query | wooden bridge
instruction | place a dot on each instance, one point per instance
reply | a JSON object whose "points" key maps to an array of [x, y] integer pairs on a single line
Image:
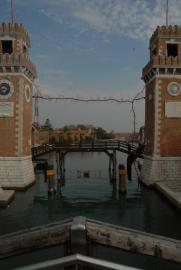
{"points": [[109, 147]]}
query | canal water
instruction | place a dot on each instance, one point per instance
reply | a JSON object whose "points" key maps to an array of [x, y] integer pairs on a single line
{"points": [[96, 198]]}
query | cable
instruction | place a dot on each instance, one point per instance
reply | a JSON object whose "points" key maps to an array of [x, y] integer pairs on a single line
{"points": [[38, 95]]}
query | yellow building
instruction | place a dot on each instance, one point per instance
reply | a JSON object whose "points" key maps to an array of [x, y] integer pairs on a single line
{"points": [[68, 134]]}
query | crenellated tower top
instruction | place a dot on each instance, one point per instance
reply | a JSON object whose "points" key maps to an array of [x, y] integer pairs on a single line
{"points": [[14, 50], [165, 51], [169, 31], [15, 30]]}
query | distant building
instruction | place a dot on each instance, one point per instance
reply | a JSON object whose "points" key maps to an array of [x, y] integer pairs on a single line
{"points": [[142, 135], [45, 136], [124, 136], [69, 134], [35, 134]]}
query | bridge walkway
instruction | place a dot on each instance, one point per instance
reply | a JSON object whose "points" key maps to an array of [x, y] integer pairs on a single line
{"points": [[108, 147], [97, 146]]}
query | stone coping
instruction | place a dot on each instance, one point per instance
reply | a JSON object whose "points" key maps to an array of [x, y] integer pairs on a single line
{"points": [[171, 190], [6, 196], [157, 158], [15, 158]]}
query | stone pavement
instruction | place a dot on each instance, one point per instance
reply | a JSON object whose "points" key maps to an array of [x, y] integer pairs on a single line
{"points": [[172, 190], [6, 196]]}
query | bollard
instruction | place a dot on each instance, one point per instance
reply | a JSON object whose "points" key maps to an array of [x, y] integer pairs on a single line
{"points": [[122, 178], [51, 179], [86, 174], [45, 170], [78, 236]]}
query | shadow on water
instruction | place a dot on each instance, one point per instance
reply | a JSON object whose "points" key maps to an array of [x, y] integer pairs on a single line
{"points": [[97, 198]]}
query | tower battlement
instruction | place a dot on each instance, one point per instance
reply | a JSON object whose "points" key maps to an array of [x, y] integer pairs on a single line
{"points": [[17, 63], [14, 30], [171, 30], [165, 52], [14, 50]]}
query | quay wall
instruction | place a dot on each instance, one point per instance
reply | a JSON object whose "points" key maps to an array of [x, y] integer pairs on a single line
{"points": [[156, 169], [16, 172]]}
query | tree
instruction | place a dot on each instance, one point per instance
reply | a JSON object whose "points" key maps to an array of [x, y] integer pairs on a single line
{"points": [[65, 128], [102, 134], [81, 126]]}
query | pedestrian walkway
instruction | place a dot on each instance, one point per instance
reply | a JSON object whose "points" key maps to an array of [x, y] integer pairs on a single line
{"points": [[172, 190]]}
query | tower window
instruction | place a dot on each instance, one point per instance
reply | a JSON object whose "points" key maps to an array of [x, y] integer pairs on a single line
{"points": [[7, 46], [24, 49], [172, 50], [154, 52]]}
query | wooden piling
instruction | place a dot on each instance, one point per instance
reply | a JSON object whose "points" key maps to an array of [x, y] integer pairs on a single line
{"points": [[122, 178]]}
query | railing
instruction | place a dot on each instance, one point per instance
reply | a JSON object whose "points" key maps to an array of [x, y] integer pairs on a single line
{"points": [[97, 146], [76, 261], [42, 149], [78, 234]]}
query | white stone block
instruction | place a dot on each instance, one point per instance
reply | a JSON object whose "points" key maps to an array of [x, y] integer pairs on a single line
{"points": [[156, 169], [16, 172]]}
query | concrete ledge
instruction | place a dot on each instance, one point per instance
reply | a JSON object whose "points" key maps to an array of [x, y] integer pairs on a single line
{"points": [[6, 196], [16, 173], [171, 190], [160, 169], [145, 183], [19, 188]]}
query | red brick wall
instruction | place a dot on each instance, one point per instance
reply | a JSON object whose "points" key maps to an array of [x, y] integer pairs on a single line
{"points": [[149, 118], [170, 139], [27, 122], [7, 125]]}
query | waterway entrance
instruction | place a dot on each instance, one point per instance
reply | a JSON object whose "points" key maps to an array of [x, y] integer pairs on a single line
{"points": [[94, 197]]}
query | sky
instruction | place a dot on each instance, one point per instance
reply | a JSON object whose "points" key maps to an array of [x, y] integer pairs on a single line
{"points": [[91, 48]]}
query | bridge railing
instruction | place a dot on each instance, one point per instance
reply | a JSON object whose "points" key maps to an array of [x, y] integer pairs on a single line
{"points": [[118, 145], [78, 234], [76, 262], [41, 149]]}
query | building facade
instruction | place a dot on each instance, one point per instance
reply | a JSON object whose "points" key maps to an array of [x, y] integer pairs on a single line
{"points": [[162, 77], [69, 134], [35, 135], [16, 77]]}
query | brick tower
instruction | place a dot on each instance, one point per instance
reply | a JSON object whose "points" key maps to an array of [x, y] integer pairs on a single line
{"points": [[16, 77], [162, 76]]}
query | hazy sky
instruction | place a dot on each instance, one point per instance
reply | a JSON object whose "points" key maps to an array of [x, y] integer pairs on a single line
{"points": [[91, 48]]}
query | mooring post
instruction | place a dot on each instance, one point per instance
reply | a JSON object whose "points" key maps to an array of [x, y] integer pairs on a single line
{"points": [[78, 239], [109, 163], [122, 178], [110, 167], [62, 168], [51, 179], [114, 165], [57, 165]]}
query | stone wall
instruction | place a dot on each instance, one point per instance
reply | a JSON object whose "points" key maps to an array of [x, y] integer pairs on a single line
{"points": [[156, 169], [16, 172]]}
